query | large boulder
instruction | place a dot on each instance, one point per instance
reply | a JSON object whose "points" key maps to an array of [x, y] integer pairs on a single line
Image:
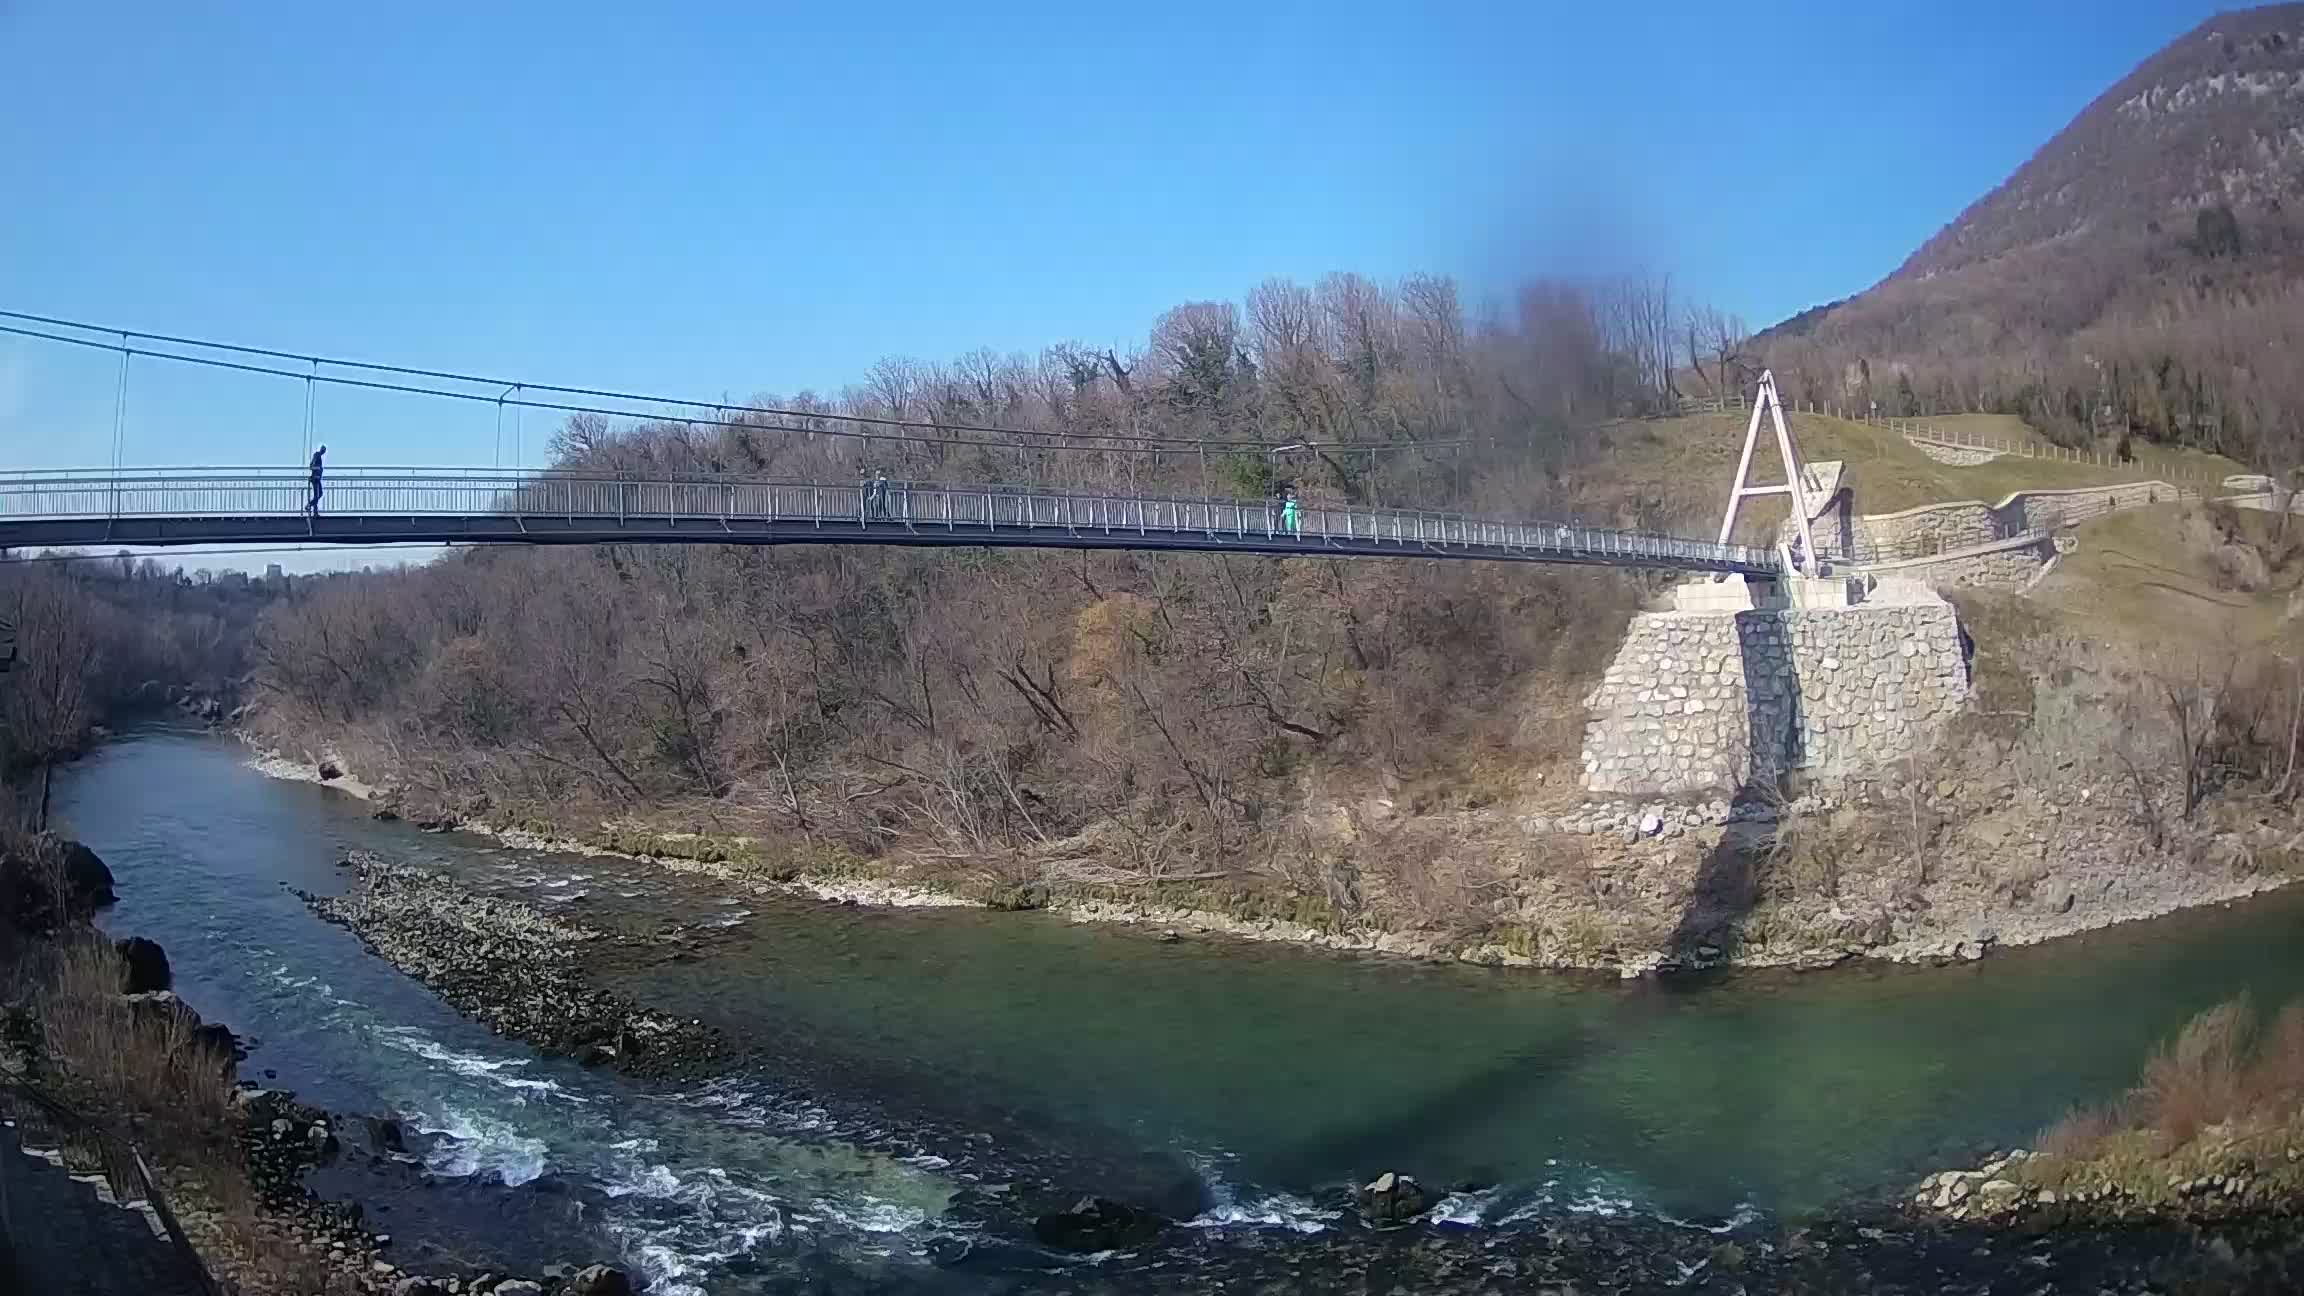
{"points": [[1096, 1224], [1391, 1199], [143, 966], [163, 1005], [87, 883], [599, 1280], [214, 1039], [46, 881], [385, 1135]]}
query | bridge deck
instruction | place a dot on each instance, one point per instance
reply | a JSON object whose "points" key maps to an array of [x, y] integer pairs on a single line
{"points": [[401, 506]]}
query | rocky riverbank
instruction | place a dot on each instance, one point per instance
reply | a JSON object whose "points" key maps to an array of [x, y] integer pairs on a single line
{"points": [[294, 1230], [1929, 871], [1939, 862], [1597, 1256], [236, 1183], [512, 967]]}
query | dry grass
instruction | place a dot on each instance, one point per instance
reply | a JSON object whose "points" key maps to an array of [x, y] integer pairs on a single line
{"points": [[2149, 578], [2222, 1069], [1688, 462], [2082, 1131], [2201, 1077], [136, 1063]]}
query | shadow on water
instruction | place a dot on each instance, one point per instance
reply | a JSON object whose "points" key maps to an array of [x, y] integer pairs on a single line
{"points": [[1387, 1140]]}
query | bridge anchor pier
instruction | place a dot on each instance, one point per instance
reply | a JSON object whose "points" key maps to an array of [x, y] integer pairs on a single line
{"points": [[1738, 683]]}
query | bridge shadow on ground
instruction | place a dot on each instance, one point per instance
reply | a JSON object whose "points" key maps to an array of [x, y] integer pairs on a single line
{"points": [[1729, 882]]}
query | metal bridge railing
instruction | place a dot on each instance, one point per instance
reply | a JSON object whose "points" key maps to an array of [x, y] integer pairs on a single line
{"points": [[608, 499]]}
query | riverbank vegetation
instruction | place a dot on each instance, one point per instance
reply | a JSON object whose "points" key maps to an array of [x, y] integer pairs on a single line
{"points": [[2213, 1127], [100, 1056], [1378, 750], [100, 641]]}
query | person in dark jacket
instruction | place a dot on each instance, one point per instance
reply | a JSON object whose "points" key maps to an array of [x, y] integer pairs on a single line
{"points": [[312, 506]]}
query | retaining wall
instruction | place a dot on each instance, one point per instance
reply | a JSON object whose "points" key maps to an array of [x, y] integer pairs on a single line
{"points": [[2003, 563], [1699, 702], [1918, 532], [1959, 456]]}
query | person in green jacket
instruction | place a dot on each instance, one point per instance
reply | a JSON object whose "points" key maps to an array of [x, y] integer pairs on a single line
{"points": [[1288, 519]]}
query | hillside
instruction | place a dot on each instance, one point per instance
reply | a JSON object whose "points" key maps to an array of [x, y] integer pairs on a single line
{"points": [[2119, 283], [1682, 467], [2217, 117]]}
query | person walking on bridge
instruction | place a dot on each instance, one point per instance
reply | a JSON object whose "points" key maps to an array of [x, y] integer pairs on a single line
{"points": [[1290, 521], [312, 505]]}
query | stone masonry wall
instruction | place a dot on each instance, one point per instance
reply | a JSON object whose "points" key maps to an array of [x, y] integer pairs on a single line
{"points": [[1931, 527], [1959, 456], [1700, 702], [2007, 565]]}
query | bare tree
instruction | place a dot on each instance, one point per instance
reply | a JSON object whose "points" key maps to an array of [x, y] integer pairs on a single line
{"points": [[1718, 350]]}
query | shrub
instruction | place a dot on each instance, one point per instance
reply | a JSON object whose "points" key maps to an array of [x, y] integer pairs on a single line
{"points": [[2198, 1079], [2220, 1069]]}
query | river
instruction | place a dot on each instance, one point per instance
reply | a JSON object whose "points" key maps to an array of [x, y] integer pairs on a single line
{"points": [[907, 1056]]}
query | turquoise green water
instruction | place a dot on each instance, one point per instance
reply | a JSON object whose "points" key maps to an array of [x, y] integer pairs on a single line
{"points": [[1782, 1091], [1270, 1075]]}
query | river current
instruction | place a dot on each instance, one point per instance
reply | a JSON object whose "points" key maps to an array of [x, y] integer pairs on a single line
{"points": [[913, 1062]]}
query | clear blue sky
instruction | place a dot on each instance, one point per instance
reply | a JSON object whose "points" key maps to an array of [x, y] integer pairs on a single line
{"points": [[743, 198]]}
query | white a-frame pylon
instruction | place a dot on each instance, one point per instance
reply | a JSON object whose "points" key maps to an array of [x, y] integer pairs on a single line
{"points": [[1794, 484]]}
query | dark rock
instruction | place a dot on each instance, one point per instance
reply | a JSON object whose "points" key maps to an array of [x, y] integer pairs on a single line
{"points": [[330, 770], [385, 1134], [86, 880], [143, 966], [50, 881], [162, 1004], [217, 1038], [418, 1287], [592, 1055], [1097, 1224], [1392, 1199], [599, 1280], [386, 815]]}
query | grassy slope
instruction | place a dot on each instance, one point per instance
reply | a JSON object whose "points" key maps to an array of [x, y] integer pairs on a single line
{"points": [[1687, 463], [2145, 577]]}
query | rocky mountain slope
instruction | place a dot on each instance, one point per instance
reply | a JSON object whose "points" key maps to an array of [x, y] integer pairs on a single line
{"points": [[2123, 281], [2217, 117]]}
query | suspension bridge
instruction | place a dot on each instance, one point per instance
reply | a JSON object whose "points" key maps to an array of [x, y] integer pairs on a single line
{"points": [[398, 506], [160, 507]]}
